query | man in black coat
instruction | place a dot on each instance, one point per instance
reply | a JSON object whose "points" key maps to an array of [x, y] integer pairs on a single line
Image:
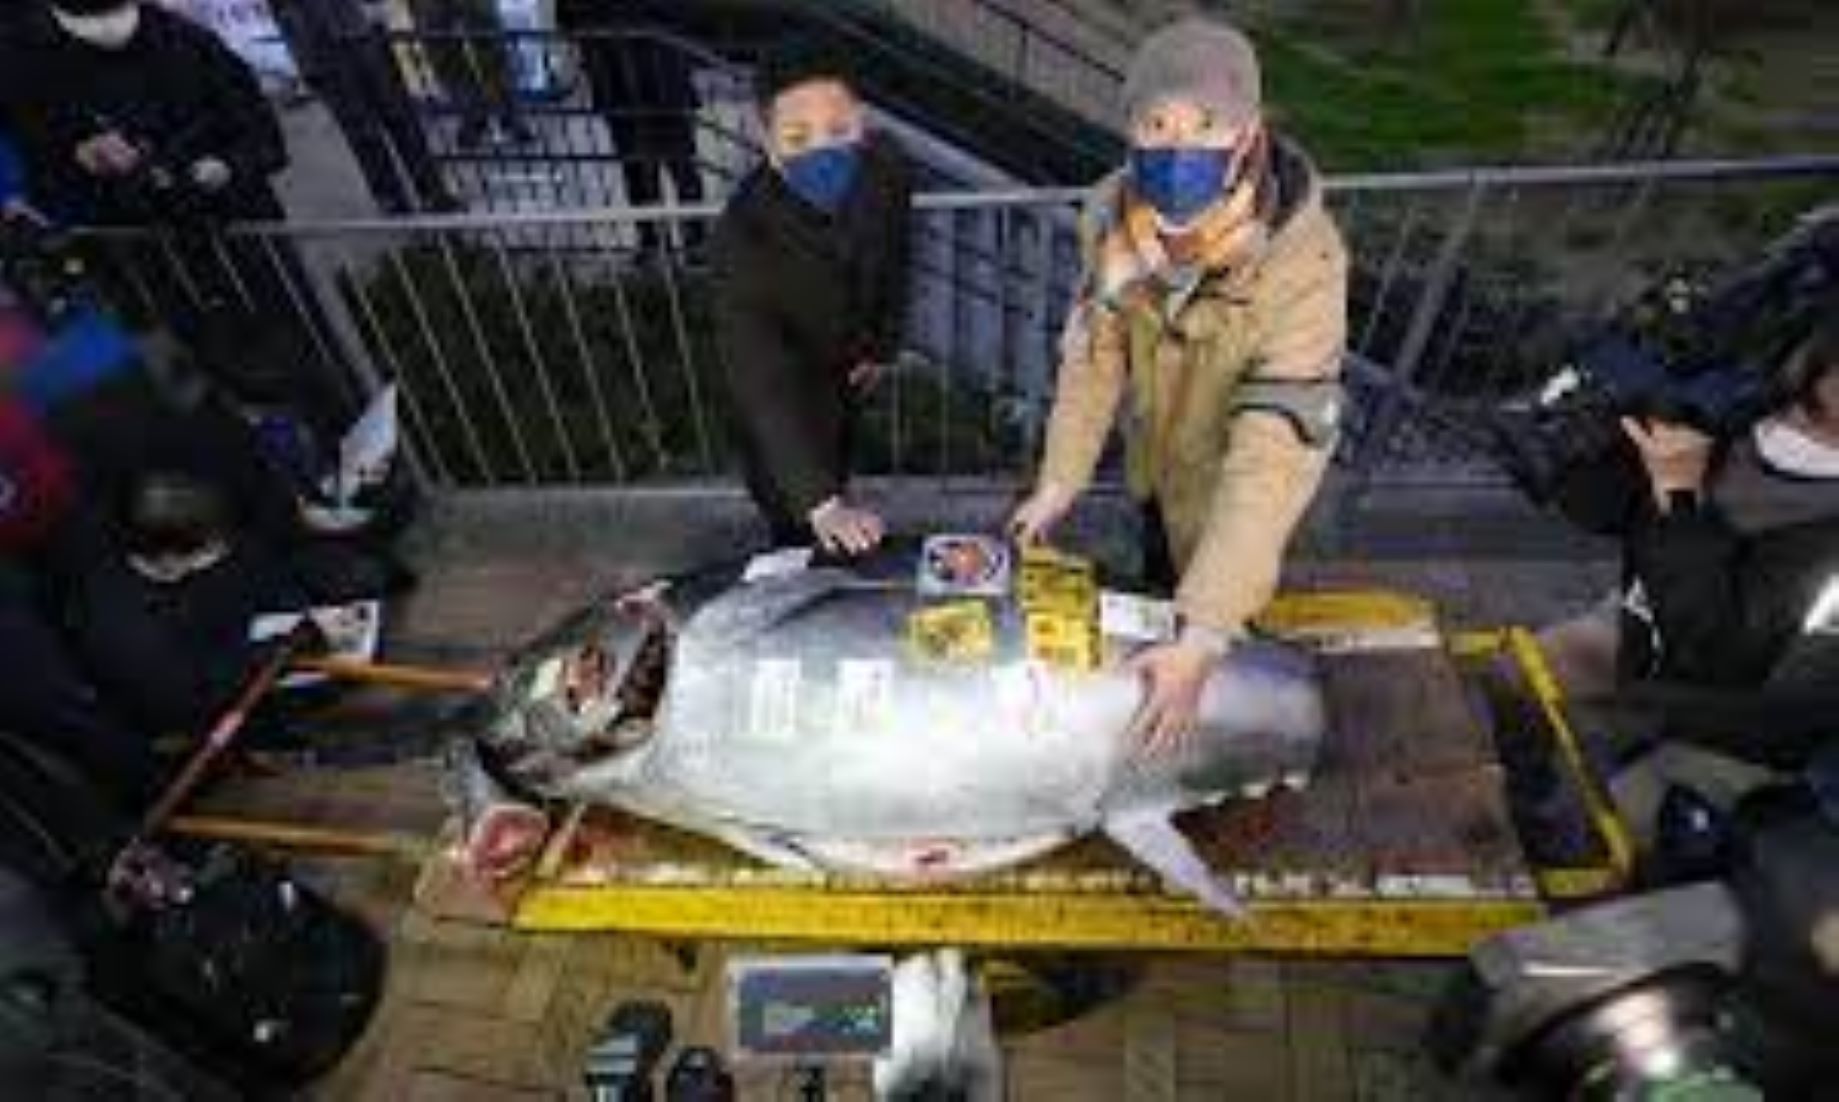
{"points": [[644, 88], [132, 114], [1707, 668], [811, 276], [1716, 597], [1725, 637]]}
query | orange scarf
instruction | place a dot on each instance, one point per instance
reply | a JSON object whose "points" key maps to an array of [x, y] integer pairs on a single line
{"points": [[1137, 259]]}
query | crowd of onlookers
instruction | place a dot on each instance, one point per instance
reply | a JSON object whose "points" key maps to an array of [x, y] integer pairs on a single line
{"points": [[158, 498], [127, 68], [158, 494]]}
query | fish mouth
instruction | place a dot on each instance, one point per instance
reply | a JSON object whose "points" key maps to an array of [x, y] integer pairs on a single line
{"points": [[584, 694]]}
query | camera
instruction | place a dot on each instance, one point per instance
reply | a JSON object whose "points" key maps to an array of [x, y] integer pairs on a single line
{"points": [[1717, 983], [1708, 354]]}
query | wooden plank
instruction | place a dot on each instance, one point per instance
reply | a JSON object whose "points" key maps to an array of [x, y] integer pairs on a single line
{"points": [[1400, 712], [1150, 1048], [1225, 1065], [1319, 1064], [1448, 834]]}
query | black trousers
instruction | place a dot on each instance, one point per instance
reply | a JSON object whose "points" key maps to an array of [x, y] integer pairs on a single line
{"points": [[245, 307], [473, 66], [363, 89], [651, 148], [47, 699]]}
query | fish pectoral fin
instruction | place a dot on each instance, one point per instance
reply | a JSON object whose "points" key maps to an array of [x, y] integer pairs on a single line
{"points": [[1152, 839]]}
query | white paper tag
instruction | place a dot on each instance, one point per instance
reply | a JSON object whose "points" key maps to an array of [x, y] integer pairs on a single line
{"points": [[772, 700], [547, 680], [1823, 618], [778, 564], [1128, 616], [1018, 696], [353, 631], [864, 696]]}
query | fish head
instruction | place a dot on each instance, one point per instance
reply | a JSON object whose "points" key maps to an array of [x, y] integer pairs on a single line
{"points": [[583, 696]]}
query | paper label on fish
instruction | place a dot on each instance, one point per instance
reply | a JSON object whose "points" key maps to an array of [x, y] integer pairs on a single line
{"points": [[772, 700], [1017, 687], [1057, 583], [864, 696], [778, 564], [963, 566], [1061, 641], [1142, 619], [957, 631]]}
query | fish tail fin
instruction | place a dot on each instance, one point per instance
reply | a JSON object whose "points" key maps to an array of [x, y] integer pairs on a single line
{"points": [[1152, 839]]}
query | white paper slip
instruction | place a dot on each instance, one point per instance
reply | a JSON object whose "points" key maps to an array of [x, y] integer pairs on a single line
{"points": [[367, 449], [864, 696], [353, 631], [778, 564], [772, 700], [547, 680], [1017, 688], [1823, 618], [1129, 616]]}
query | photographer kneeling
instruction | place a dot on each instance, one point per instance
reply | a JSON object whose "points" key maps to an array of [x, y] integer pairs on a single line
{"points": [[1731, 585]]}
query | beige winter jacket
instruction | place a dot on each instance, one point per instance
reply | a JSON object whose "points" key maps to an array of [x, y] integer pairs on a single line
{"points": [[1232, 487]]}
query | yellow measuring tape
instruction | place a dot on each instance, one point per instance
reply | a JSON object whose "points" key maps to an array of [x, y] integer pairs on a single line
{"points": [[1371, 927]]}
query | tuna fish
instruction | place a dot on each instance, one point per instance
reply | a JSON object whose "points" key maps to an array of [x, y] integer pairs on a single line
{"points": [[791, 717]]}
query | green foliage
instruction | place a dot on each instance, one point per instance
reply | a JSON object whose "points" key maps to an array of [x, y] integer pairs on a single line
{"points": [[547, 366], [524, 368], [1595, 15], [1469, 80]]}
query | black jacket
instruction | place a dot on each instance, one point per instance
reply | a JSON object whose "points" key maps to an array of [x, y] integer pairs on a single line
{"points": [[800, 299], [175, 89], [1719, 607]]}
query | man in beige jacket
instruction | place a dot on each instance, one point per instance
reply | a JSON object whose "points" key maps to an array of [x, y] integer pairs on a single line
{"points": [[1215, 298]]}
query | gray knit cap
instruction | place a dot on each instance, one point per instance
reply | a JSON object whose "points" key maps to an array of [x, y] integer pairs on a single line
{"points": [[1204, 61]]}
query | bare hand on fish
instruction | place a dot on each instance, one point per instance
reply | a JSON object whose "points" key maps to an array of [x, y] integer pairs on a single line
{"points": [[845, 529], [1174, 676], [1034, 520]]}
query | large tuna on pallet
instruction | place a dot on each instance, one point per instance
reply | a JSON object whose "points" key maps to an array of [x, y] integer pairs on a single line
{"points": [[814, 719]]}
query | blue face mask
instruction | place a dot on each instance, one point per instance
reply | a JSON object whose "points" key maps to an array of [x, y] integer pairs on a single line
{"points": [[1181, 182], [824, 176]]}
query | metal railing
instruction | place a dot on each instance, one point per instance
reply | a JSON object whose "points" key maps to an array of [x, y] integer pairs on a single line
{"points": [[556, 134], [517, 120], [546, 348]]}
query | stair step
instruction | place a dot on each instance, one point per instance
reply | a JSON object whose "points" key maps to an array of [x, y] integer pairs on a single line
{"points": [[1042, 44]]}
